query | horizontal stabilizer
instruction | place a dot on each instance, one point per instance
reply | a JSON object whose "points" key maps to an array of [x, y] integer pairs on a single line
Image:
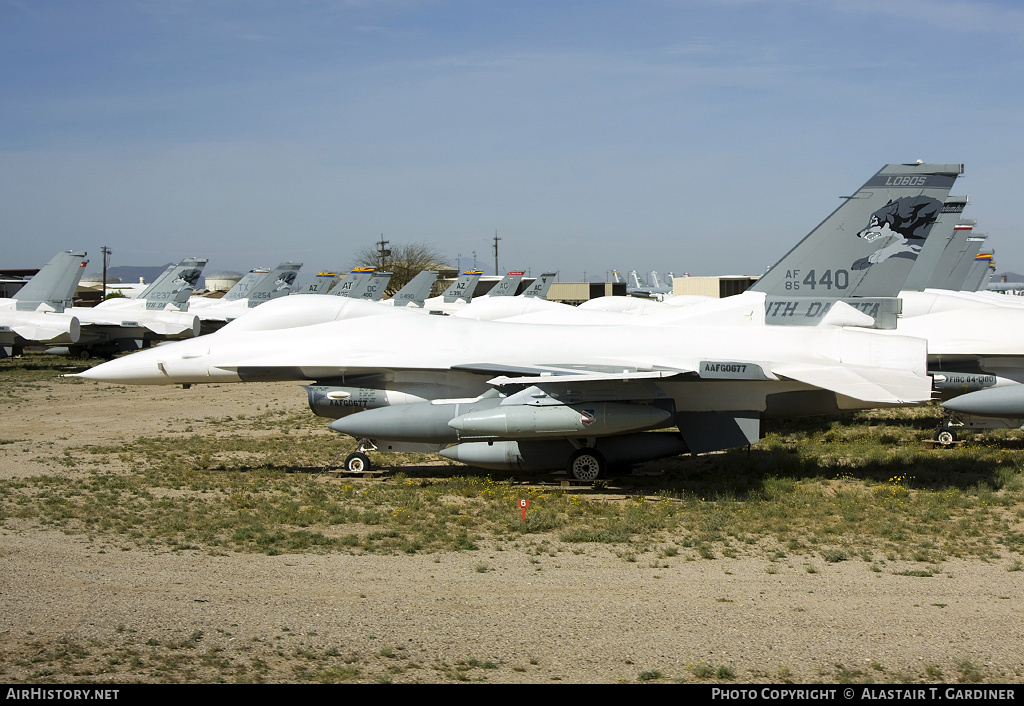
{"points": [[46, 327], [886, 385]]}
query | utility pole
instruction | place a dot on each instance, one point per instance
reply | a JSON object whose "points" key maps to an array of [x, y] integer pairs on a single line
{"points": [[106, 251], [382, 250], [496, 239]]}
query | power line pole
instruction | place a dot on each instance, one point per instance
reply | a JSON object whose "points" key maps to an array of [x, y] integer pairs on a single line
{"points": [[106, 251], [496, 239], [382, 250]]}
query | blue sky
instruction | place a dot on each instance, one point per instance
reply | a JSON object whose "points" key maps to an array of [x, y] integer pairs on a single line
{"points": [[689, 136]]}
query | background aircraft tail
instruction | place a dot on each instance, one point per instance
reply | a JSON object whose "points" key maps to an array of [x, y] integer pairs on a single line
{"points": [[463, 287], [956, 250], [372, 288], [174, 285], [416, 291], [352, 281], [541, 285], [53, 287], [507, 285], [946, 232], [277, 283], [244, 286], [320, 284]]}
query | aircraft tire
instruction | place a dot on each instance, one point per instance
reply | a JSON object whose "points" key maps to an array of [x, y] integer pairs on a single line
{"points": [[587, 464], [945, 436], [358, 462]]}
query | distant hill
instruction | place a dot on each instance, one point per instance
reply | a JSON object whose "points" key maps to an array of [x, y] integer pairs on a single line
{"points": [[1010, 277], [128, 274]]}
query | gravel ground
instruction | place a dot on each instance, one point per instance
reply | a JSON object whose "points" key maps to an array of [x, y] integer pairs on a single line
{"points": [[78, 609]]}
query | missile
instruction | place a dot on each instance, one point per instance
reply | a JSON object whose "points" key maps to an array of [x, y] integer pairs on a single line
{"points": [[592, 419]]}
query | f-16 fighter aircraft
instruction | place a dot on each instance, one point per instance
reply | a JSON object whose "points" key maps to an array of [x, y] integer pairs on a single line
{"points": [[520, 395], [35, 315], [159, 313]]}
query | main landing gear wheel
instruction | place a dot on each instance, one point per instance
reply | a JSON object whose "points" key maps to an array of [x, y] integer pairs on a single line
{"points": [[358, 462], [945, 436], [587, 464]]}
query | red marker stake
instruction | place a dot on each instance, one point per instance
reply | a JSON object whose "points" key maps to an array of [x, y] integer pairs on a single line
{"points": [[523, 504]]}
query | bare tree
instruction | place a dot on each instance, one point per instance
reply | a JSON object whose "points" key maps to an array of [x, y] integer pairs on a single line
{"points": [[404, 261]]}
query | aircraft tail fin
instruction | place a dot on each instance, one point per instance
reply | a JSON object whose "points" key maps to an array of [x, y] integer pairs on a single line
{"points": [[320, 284], [372, 288], [960, 275], [988, 263], [415, 292], [507, 285], [277, 283], [53, 287], [943, 235], [881, 229], [174, 285], [463, 287], [956, 250], [244, 286], [976, 278], [352, 281], [541, 285]]}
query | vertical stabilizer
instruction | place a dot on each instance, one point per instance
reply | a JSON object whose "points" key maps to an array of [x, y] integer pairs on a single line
{"points": [[541, 285], [53, 287], [507, 285], [463, 287], [245, 285], [372, 288], [978, 276], [944, 234], [881, 229], [174, 285], [277, 283], [320, 284], [958, 278], [416, 291], [353, 281]]}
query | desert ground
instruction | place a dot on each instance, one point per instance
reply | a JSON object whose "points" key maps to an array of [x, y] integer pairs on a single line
{"points": [[83, 604]]}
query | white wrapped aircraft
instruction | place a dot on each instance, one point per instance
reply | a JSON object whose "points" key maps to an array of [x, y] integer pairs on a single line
{"points": [[504, 394]]}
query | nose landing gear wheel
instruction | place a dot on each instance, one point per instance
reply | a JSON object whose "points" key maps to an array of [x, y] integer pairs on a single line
{"points": [[358, 462], [587, 464], [945, 437]]}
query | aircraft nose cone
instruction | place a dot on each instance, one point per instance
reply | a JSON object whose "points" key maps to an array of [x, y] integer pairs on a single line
{"points": [[136, 369]]}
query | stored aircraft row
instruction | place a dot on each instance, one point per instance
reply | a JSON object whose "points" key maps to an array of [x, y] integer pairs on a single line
{"points": [[512, 383], [42, 313]]}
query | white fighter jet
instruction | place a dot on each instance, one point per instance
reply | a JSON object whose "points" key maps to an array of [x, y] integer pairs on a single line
{"points": [[583, 396], [160, 313], [39, 313]]}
